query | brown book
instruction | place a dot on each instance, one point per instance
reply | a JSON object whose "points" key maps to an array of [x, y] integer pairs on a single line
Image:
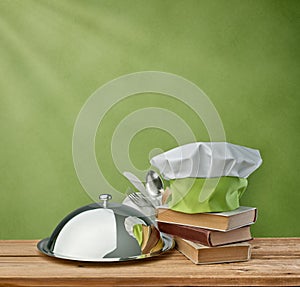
{"points": [[205, 236], [200, 254], [222, 221]]}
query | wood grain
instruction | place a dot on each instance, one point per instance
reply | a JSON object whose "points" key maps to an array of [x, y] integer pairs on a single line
{"points": [[274, 261]]}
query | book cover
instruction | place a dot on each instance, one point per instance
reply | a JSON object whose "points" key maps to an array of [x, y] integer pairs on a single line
{"points": [[200, 254], [205, 236], [222, 221]]}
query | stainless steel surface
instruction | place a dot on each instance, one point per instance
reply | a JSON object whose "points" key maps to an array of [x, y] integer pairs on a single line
{"points": [[154, 187], [102, 232], [168, 245], [105, 198]]}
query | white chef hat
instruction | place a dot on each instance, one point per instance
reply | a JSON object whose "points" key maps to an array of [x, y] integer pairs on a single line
{"points": [[207, 160]]}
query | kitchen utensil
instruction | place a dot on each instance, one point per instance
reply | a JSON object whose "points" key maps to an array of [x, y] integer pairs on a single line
{"points": [[136, 182], [154, 187], [139, 186], [139, 200], [143, 204], [105, 232]]}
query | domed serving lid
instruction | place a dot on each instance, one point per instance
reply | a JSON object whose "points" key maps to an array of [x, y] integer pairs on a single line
{"points": [[106, 231]]}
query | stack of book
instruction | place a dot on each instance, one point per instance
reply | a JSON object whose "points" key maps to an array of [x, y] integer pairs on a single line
{"points": [[207, 238]]}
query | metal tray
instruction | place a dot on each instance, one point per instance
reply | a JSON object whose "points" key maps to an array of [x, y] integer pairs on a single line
{"points": [[168, 244]]}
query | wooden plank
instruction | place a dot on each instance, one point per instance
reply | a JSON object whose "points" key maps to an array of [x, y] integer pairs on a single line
{"points": [[19, 248], [270, 247], [261, 247], [30, 266], [274, 262]]}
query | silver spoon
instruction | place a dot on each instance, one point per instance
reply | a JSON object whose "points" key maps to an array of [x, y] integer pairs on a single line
{"points": [[154, 186]]}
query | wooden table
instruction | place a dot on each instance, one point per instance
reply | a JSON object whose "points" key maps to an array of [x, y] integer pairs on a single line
{"points": [[274, 261]]}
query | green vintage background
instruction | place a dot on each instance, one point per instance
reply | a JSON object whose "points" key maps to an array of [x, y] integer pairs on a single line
{"points": [[55, 54]]}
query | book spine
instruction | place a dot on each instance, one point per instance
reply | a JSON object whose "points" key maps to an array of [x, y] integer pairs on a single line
{"points": [[192, 234]]}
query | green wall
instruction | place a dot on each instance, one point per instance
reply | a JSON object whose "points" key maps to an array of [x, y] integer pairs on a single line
{"points": [[55, 54]]}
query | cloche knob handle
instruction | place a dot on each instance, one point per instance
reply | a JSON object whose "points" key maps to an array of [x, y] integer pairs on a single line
{"points": [[105, 198]]}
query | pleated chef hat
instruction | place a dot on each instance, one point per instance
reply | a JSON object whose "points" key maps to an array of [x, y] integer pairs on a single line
{"points": [[207, 160]]}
